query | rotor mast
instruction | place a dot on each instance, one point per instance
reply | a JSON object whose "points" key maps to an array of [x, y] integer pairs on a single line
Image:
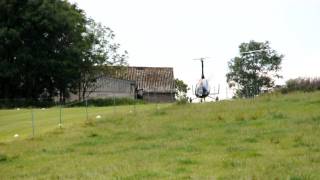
{"points": [[202, 65], [202, 76]]}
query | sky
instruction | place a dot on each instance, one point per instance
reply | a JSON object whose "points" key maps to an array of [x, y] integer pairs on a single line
{"points": [[171, 33]]}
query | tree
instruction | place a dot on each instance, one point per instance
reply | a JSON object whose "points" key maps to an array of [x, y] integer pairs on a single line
{"points": [[255, 69], [103, 52], [41, 47], [50, 47], [181, 89]]}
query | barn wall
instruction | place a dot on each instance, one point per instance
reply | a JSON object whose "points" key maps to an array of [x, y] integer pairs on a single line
{"points": [[104, 95], [109, 88]]}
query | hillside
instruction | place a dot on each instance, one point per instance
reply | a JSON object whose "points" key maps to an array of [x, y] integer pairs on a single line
{"points": [[270, 137]]}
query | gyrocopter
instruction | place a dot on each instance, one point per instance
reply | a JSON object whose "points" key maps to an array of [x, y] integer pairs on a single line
{"points": [[202, 89]]}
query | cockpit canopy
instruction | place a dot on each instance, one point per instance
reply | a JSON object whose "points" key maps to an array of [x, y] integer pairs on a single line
{"points": [[202, 88]]}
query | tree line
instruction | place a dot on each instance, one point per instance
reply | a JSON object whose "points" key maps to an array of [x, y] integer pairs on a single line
{"points": [[49, 48]]}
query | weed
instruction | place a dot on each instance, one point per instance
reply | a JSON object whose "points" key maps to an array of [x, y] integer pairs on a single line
{"points": [[143, 175], [58, 131], [92, 134], [316, 119], [186, 161], [232, 164], [181, 170], [147, 146], [277, 115], [298, 140], [220, 118], [275, 140], [90, 122], [188, 148], [240, 117], [254, 116], [250, 140], [300, 177], [252, 154], [234, 149], [3, 157], [314, 159]]}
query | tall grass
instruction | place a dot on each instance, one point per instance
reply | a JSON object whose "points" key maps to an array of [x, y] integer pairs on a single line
{"points": [[273, 136]]}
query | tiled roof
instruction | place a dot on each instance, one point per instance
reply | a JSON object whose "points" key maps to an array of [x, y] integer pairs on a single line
{"points": [[150, 79]]}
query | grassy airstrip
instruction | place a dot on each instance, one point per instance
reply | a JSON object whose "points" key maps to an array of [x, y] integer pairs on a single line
{"points": [[271, 137]]}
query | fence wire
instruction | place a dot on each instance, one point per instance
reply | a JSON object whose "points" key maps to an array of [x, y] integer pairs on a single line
{"points": [[31, 120]]}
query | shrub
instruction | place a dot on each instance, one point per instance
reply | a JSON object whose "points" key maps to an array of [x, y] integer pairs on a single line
{"points": [[105, 102], [23, 103], [182, 101], [3, 157], [302, 84]]}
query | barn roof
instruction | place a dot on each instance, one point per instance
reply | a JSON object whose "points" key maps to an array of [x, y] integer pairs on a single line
{"points": [[150, 79]]}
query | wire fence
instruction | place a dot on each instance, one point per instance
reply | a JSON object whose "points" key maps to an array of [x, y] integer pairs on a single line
{"points": [[28, 119], [33, 120]]}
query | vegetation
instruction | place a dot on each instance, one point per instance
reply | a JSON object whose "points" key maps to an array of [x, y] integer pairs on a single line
{"points": [[273, 136], [100, 60], [50, 48], [255, 69], [105, 102], [23, 103], [181, 91], [302, 84]]}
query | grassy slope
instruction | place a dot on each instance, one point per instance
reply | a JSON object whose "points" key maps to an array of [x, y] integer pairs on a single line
{"points": [[268, 138]]}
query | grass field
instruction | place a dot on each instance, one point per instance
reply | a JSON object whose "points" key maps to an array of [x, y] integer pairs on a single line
{"points": [[270, 137]]}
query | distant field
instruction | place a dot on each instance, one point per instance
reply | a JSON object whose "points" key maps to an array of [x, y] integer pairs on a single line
{"points": [[270, 137]]}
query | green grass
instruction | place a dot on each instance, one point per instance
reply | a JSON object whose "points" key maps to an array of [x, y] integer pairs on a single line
{"points": [[271, 137]]}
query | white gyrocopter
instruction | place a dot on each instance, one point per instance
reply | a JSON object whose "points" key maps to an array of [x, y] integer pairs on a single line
{"points": [[202, 89]]}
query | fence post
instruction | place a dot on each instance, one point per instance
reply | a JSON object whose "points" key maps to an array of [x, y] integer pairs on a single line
{"points": [[87, 109], [134, 103], [114, 104], [32, 118], [60, 120], [156, 101]]}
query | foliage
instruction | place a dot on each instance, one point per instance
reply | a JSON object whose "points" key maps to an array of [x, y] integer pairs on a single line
{"points": [[104, 52], [255, 68], [50, 48], [302, 84], [105, 102], [181, 90], [182, 100], [24, 103], [41, 45]]}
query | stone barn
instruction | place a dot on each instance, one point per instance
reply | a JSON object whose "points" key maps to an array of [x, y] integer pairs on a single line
{"points": [[152, 84], [107, 87]]}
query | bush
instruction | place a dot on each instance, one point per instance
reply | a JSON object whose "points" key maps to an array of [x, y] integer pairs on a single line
{"points": [[182, 101], [302, 84], [105, 102], [23, 103], [3, 157]]}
